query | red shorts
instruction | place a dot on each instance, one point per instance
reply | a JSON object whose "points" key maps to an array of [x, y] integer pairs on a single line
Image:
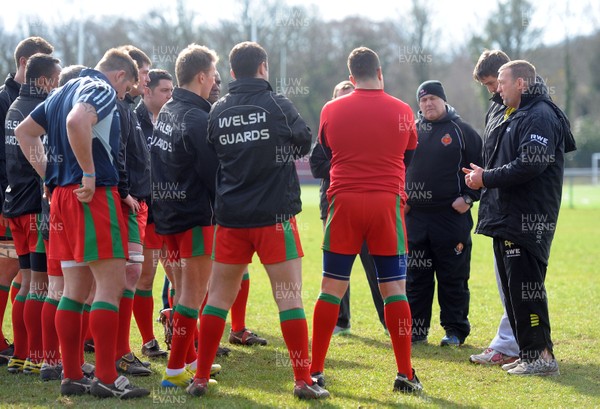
{"points": [[5, 233], [197, 241], [86, 231], [152, 239], [374, 217], [273, 244], [26, 235], [54, 268], [135, 222]]}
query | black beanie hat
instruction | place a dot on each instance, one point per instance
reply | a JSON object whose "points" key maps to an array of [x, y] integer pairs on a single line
{"points": [[431, 88]]}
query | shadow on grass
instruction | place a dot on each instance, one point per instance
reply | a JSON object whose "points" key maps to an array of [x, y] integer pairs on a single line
{"points": [[404, 400], [581, 377]]}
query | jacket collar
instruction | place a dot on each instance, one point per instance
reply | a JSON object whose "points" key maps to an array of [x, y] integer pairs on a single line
{"points": [[249, 85], [191, 98]]}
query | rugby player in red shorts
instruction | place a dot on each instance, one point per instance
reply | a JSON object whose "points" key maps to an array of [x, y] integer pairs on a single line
{"points": [[252, 130], [183, 183], [81, 173], [369, 133], [22, 207]]}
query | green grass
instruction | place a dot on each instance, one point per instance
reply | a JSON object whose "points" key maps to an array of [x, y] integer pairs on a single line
{"points": [[360, 368]]}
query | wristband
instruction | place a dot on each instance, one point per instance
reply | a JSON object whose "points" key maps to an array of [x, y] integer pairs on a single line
{"points": [[89, 175]]}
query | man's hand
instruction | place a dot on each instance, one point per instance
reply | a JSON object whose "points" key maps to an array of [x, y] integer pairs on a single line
{"points": [[86, 192], [460, 205], [474, 176], [3, 221], [132, 203]]}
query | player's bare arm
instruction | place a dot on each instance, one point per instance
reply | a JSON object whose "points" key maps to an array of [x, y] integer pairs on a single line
{"points": [[80, 121]]}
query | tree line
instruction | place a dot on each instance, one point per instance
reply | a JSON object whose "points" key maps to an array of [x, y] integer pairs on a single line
{"points": [[307, 55]]}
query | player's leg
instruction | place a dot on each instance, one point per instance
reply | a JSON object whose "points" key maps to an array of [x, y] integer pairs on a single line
{"points": [[386, 240], [9, 267], [143, 305], [223, 291], [240, 335], [194, 247]]}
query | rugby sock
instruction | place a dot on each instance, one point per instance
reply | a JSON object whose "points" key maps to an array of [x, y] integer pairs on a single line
{"points": [[14, 289], [19, 329], [85, 334], [4, 293], [295, 335], [143, 306], [104, 324], [184, 324], [49, 335], [399, 323], [325, 316], [238, 309], [32, 317], [212, 325], [125, 312], [192, 355], [68, 328], [171, 296]]}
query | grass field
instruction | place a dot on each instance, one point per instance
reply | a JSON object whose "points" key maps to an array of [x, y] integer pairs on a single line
{"points": [[360, 368]]}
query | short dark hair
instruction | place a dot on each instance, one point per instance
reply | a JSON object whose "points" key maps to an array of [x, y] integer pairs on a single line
{"points": [[363, 63], [192, 60], [32, 45], [138, 55], [40, 65], [521, 69], [489, 63], [155, 75], [68, 73], [116, 60], [245, 58]]}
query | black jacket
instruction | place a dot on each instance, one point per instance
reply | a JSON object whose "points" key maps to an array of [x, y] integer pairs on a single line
{"points": [[183, 166], [320, 165], [434, 178], [24, 192], [145, 120], [524, 174], [9, 91], [134, 156], [257, 135]]}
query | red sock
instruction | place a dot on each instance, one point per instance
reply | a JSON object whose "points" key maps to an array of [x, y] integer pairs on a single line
{"points": [[184, 324], [171, 295], [19, 329], [49, 335], [32, 317], [4, 293], [85, 331], [104, 324], [125, 312], [192, 355], [295, 335], [143, 308], [68, 328], [212, 325], [14, 290], [399, 324], [238, 309], [325, 317]]}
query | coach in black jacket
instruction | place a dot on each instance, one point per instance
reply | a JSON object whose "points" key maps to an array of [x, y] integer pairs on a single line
{"points": [[438, 218], [522, 187]]}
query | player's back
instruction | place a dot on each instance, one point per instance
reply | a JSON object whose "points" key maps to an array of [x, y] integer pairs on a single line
{"points": [[368, 132]]}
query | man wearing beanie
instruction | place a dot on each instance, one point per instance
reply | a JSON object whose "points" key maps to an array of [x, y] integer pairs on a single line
{"points": [[438, 216]]}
